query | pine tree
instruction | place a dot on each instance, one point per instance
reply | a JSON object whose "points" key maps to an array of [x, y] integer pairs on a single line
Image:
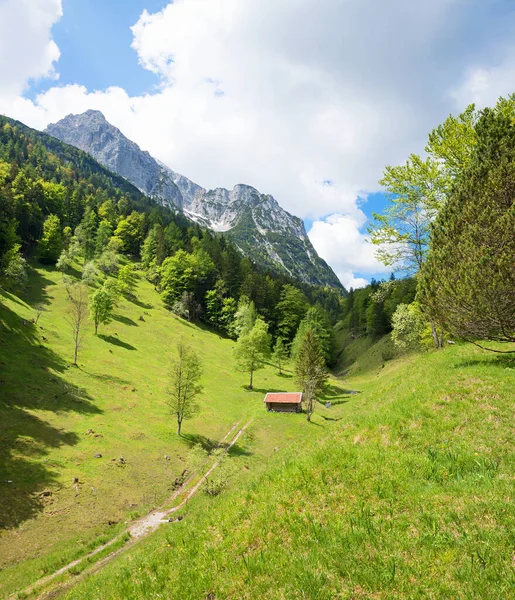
{"points": [[468, 283], [310, 371]]}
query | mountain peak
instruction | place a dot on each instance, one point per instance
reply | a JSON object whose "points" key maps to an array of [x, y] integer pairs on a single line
{"points": [[260, 228]]}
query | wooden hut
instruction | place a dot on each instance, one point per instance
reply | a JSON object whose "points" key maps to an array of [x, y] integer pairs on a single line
{"points": [[284, 402]]}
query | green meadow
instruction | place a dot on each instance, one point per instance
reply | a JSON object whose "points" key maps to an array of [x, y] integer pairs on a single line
{"points": [[409, 495], [59, 502], [402, 489]]}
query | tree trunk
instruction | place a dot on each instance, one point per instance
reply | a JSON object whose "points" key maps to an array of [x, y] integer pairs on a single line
{"points": [[75, 354], [250, 384], [96, 327], [179, 423]]}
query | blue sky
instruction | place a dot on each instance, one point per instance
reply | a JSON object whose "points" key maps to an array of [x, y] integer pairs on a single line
{"points": [[313, 92], [95, 39]]}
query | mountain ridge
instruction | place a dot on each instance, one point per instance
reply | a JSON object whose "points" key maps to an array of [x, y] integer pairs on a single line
{"points": [[256, 223]]}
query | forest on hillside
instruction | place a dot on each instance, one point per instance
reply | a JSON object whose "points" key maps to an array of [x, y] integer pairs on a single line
{"points": [[58, 205]]}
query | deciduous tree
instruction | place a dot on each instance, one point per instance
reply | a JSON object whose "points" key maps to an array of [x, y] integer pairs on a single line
{"points": [[184, 387], [101, 308], [253, 349]]}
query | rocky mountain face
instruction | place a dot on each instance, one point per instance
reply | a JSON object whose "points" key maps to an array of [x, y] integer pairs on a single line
{"points": [[255, 222]]}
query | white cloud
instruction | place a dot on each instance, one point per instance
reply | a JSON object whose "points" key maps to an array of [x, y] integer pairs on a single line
{"points": [[484, 85], [281, 95], [339, 240], [27, 51]]}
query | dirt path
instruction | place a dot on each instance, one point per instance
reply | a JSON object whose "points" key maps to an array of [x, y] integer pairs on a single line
{"points": [[137, 530]]}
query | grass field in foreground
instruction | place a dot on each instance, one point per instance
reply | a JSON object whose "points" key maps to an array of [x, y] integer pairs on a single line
{"points": [[411, 495], [47, 407]]}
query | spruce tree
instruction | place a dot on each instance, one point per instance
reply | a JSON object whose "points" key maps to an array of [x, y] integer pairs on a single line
{"points": [[310, 371], [468, 283]]}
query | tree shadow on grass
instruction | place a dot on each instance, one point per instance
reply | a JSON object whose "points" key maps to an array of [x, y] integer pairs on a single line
{"points": [[125, 320], [263, 390], [137, 302], [111, 339], [503, 361], [32, 377], [209, 445], [106, 377], [36, 290]]}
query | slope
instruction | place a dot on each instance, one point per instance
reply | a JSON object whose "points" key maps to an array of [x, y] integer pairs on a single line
{"points": [[58, 500], [257, 224], [409, 496]]}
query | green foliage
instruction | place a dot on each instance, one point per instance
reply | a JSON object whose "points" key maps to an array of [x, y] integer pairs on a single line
{"points": [[149, 248], [310, 370], [184, 272], [408, 325], [468, 284], [108, 262], [184, 387], [112, 287], [418, 189], [51, 244], [244, 318], [89, 273], [126, 279], [14, 275], [101, 308], [280, 354], [368, 311], [129, 231], [291, 308], [104, 234], [317, 322], [253, 349]]}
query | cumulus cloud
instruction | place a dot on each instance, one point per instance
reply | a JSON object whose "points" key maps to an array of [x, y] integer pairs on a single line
{"points": [[27, 51], [340, 241], [285, 96]]}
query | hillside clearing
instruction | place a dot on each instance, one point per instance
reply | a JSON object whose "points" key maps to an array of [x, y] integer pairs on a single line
{"points": [[409, 496], [113, 404]]}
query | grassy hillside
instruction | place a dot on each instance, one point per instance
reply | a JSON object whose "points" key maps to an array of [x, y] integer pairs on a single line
{"points": [[409, 496], [361, 355], [54, 418]]}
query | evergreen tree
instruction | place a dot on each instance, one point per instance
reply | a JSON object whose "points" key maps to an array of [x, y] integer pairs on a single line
{"points": [[310, 371], [468, 284], [291, 308]]}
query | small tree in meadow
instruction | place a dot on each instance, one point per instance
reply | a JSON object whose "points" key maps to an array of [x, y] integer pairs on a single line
{"points": [[184, 387], [101, 308], [310, 370], [77, 315], [252, 349]]}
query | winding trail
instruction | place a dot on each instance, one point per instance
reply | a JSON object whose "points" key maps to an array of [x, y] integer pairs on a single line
{"points": [[137, 531]]}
